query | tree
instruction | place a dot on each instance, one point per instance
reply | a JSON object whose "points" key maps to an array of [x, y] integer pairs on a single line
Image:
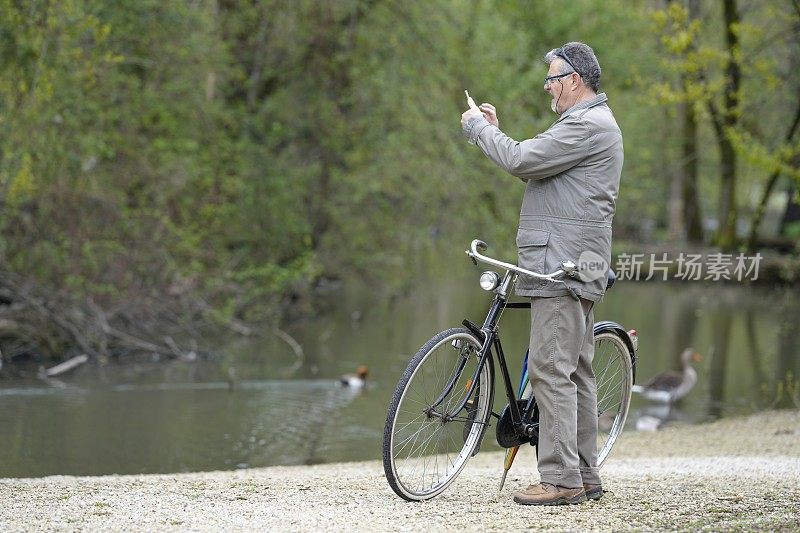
{"points": [[729, 84]]}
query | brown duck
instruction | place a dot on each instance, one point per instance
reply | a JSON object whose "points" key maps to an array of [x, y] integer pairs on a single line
{"points": [[670, 386], [357, 381]]}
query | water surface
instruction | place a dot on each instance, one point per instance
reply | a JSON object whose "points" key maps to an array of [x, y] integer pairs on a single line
{"points": [[260, 404]]}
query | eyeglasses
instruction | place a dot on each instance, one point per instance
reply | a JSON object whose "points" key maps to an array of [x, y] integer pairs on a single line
{"points": [[549, 79], [559, 52]]}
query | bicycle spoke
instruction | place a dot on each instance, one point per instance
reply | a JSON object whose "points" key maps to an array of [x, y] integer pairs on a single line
{"points": [[424, 461], [604, 402], [612, 406], [424, 444], [414, 435], [424, 455], [613, 376], [412, 444], [612, 390], [601, 374], [610, 386]]}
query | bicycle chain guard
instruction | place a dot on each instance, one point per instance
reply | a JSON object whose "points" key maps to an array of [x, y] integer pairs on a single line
{"points": [[507, 436]]}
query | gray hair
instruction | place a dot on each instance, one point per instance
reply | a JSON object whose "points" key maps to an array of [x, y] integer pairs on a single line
{"points": [[580, 57]]}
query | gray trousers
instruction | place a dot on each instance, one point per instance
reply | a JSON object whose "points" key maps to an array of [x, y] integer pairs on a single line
{"points": [[560, 370]]}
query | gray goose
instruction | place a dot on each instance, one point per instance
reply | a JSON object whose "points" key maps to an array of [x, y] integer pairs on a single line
{"points": [[671, 386]]}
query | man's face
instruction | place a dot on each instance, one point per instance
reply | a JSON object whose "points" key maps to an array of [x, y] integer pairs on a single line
{"points": [[558, 88]]}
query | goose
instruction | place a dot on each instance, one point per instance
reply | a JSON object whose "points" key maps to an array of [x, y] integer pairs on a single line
{"points": [[648, 423], [357, 381], [671, 386]]}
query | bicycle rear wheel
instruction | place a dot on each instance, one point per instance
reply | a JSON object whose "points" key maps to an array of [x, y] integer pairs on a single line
{"points": [[613, 371], [425, 443]]}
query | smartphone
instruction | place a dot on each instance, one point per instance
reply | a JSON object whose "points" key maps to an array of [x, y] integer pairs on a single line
{"points": [[470, 101]]}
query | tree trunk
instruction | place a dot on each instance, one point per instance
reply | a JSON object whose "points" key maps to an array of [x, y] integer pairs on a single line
{"points": [[693, 217], [685, 220], [758, 215], [726, 232]]}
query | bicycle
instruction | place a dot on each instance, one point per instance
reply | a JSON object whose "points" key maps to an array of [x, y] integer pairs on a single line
{"points": [[443, 403]]}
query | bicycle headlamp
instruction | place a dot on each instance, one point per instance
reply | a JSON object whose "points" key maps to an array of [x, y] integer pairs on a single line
{"points": [[489, 280]]}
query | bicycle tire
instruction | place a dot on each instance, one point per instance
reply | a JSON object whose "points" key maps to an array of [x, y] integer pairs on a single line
{"points": [[613, 367], [413, 439]]}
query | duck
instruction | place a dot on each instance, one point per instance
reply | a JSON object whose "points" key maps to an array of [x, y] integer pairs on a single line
{"points": [[670, 386], [357, 381]]}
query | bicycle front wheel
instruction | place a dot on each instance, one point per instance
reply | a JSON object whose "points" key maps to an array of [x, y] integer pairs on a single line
{"points": [[613, 371], [426, 442]]}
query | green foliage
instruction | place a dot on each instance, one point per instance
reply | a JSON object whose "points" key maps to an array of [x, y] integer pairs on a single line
{"points": [[694, 62], [240, 149]]}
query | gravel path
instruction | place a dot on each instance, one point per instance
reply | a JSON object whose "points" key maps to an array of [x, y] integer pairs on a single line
{"points": [[741, 473]]}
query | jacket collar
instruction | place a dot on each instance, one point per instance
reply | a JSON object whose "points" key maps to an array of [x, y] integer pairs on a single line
{"points": [[586, 104]]}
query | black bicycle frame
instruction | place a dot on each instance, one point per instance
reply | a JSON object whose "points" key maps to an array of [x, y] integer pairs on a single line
{"points": [[491, 338]]}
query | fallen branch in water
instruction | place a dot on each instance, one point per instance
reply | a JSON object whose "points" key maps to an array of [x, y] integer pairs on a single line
{"points": [[66, 366]]}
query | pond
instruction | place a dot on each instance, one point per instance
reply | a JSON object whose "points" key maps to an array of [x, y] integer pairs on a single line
{"points": [[261, 404]]}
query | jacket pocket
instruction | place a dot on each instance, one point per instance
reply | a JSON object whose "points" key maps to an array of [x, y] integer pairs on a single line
{"points": [[532, 246]]}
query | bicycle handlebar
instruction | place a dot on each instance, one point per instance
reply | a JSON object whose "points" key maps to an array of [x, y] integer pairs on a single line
{"points": [[568, 267]]}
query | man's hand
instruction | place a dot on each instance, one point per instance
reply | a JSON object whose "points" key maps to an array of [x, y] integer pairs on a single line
{"points": [[485, 110], [490, 114]]}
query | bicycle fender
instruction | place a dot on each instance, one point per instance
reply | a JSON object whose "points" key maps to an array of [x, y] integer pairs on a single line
{"points": [[608, 325], [474, 329]]}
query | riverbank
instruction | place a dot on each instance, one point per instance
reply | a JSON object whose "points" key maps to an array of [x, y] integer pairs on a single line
{"points": [[738, 473]]}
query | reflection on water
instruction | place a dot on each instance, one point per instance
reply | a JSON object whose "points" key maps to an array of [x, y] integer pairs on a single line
{"points": [[655, 416], [171, 427], [258, 406]]}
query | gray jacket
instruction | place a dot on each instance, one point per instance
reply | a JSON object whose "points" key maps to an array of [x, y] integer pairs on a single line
{"points": [[572, 172]]}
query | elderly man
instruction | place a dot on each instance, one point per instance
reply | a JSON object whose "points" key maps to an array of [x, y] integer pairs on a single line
{"points": [[572, 174]]}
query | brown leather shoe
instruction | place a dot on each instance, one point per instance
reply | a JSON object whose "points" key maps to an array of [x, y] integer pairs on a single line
{"points": [[548, 494], [593, 492]]}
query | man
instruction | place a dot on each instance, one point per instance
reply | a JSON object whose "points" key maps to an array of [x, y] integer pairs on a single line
{"points": [[572, 173]]}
